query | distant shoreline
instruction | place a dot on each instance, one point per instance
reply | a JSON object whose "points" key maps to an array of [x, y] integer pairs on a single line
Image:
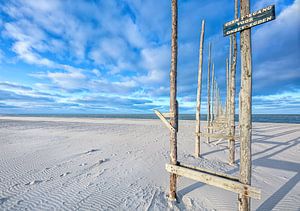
{"points": [[267, 118]]}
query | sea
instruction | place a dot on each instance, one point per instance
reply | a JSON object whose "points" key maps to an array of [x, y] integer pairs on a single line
{"points": [[271, 118]]}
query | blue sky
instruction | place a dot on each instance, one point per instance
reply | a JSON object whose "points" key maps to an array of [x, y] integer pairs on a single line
{"points": [[113, 56]]}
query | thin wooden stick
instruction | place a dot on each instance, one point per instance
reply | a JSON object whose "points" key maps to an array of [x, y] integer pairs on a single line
{"points": [[246, 106], [198, 107], [173, 100], [208, 91]]}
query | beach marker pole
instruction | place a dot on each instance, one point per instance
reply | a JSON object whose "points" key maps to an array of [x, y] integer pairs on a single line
{"points": [[173, 100], [198, 106], [213, 95], [208, 92], [246, 106], [233, 61], [244, 25]]}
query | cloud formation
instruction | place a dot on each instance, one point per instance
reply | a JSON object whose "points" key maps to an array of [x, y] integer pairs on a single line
{"points": [[114, 56]]}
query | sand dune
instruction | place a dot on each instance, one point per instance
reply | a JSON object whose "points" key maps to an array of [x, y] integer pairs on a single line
{"points": [[118, 164]]}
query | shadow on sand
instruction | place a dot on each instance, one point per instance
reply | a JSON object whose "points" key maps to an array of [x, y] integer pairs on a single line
{"points": [[266, 161]]}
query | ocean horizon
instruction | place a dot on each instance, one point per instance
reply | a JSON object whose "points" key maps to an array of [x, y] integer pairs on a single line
{"points": [[268, 118]]}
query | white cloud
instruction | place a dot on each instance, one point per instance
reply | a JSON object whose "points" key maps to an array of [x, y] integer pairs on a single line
{"points": [[157, 63], [293, 96], [96, 72], [70, 80]]}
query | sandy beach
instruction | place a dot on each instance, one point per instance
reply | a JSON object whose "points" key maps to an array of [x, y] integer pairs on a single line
{"points": [[119, 164]]}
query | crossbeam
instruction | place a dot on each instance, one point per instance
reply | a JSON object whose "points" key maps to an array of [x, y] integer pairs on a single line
{"points": [[217, 136], [210, 171], [215, 180], [215, 127], [168, 115], [164, 120]]}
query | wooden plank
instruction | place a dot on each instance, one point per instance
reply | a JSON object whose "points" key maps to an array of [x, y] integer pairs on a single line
{"points": [[216, 135], [164, 120], [199, 88], [216, 127], [215, 180], [210, 171], [173, 98]]}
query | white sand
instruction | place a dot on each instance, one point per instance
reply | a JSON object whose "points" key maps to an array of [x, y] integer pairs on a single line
{"points": [[118, 164]]}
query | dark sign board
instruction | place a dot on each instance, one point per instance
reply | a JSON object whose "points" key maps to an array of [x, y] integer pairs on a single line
{"points": [[250, 20]]}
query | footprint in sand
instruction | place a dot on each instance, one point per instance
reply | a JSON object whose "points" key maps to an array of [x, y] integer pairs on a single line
{"points": [[103, 160], [20, 202], [65, 174], [34, 182], [92, 151]]}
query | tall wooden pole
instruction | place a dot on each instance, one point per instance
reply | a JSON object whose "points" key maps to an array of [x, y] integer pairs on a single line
{"points": [[208, 92], [232, 90], [198, 107], [217, 102], [215, 97], [173, 100], [227, 89], [213, 93], [246, 106]]}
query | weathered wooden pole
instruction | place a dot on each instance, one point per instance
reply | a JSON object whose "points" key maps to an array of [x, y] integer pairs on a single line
{"points": [[198, 107], [215, 98], [220, 103], [208, 93], [227, 90], [233, 59], [213, 95], [246, 106], [173, 101], [217, 101]]}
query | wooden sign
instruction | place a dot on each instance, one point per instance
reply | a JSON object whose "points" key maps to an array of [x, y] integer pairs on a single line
{"points": [[253, 19]]}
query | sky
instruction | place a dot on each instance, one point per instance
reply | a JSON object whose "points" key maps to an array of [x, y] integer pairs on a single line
{"points": [[113, 56]]}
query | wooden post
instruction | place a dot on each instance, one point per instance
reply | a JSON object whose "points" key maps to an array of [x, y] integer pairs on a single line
{"points": [[208, 93], [227, 88], [173, 100], [213, 94], [198, 108], [240, 110], [233, 48], [215, 98], [220, 103], [217, 101], [246, 106]]}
